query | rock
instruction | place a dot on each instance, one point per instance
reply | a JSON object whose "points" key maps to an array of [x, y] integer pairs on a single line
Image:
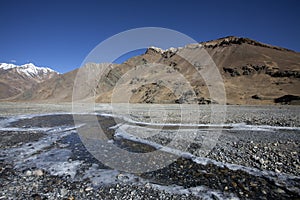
{"points": [[256, 97], [261, 161], [122, 177], [234, 184], [63, 192], [232, 71], [28, 173], [88, 189], [36, 197], [277, 171], [38, 172], [253, 184], [286, 99], [280, 191], [255, 157]]}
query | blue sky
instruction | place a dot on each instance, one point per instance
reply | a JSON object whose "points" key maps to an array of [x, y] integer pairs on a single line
{"points": [[60, 34]]}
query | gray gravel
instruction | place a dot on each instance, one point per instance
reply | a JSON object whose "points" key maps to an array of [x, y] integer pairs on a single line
{"points": [[274, 153], [37, 184]]}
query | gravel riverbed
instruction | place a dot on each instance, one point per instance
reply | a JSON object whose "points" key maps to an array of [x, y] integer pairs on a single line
{"points": [[256, 155]]}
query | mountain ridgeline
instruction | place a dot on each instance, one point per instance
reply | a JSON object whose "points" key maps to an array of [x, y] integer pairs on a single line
{"points": [[252, 73]]}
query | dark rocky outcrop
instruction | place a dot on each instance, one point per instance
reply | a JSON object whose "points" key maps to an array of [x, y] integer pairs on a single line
{"points": [[287, 99], [258, 69], [233, 71], [256, 97], [292, 74]]}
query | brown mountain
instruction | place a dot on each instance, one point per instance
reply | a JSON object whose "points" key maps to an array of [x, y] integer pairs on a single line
{"points": [[252, 73], [56, 89]]}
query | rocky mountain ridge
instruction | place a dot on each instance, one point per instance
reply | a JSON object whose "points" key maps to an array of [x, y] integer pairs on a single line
{"points": [[230, 40], [252, 73]]}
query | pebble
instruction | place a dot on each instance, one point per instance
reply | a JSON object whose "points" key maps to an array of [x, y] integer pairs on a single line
{"points": [[122, 177], [63, 192], [280, 191], [261, 161], [28, 173], [38, 172], [88, 189], [277, 171]]}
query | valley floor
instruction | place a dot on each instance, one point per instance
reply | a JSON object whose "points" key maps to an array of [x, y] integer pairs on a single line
{"points": [[232, 152]]}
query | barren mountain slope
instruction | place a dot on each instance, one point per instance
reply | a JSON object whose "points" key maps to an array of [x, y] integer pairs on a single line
{"points": [[252, 72], [56, 89], [255, 73]]}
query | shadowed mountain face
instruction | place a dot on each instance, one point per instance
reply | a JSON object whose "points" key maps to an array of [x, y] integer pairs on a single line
{"points": [[252, 73]]}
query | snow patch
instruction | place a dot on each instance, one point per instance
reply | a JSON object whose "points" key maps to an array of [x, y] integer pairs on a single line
{"points": [[174, 50]]}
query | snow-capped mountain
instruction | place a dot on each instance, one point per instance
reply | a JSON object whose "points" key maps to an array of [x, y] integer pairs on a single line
{"points": [[29, 70], [15, 79]]}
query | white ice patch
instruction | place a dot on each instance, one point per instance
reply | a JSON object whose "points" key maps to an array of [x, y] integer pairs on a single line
{"points": [[26, 151], [55, 161], [243, 126], [107, 176], [25, 129], [230, 126], [43, 155]]}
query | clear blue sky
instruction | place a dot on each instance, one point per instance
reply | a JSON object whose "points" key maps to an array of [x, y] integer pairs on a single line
{"points": [[60, 34]]}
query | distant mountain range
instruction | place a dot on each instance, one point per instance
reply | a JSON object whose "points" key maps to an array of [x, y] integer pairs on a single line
{"points": [[253, 73], [16, 79]]}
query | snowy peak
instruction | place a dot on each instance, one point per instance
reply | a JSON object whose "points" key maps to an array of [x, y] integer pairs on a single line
{"points": [[16, 79], [29, 70], [7, 66], [172, 49]]}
